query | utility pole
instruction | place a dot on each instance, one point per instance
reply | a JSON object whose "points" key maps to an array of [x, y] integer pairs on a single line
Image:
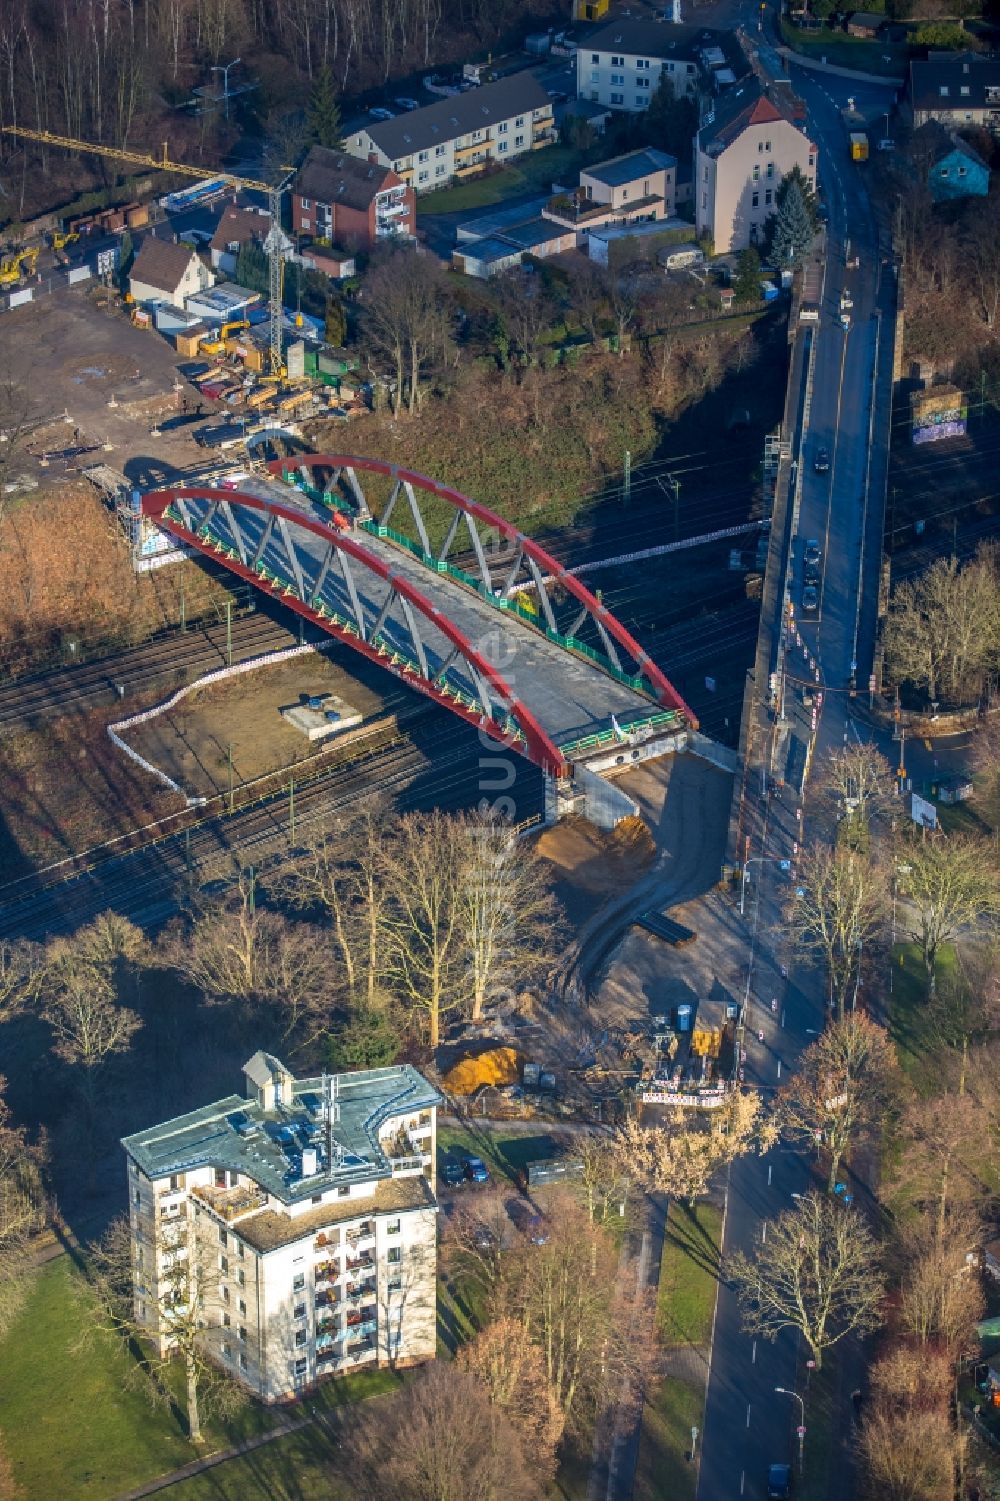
{"points": [[627, 477], [183, 610], [229, 635]]}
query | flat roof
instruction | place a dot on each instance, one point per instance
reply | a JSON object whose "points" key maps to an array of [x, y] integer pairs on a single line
{"points": [[267, 1231], [535, 232], [652, 227], [235, 1133], [497, 219], [629, 168], [490, 249]]}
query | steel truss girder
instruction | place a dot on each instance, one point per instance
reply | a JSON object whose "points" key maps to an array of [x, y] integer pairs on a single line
{"points": [[545, 574], [415, 611]]}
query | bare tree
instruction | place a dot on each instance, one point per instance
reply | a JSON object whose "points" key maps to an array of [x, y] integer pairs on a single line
{"points": [[20, 973], [951, 884], [982, 241], [941, 1299], [186, 1312], [525, 311], [943, 629], [859, 782], [817, 1273], [424, 922], [407, 317], [964, 1012], [455, 1445], [909, 1456], [511, 1368], [985, 760], [605, 1182], [842, 1089], [681, 1158], [510, 916], [935, 1173], [839, 905], [22, 1212], [79, 1003]]}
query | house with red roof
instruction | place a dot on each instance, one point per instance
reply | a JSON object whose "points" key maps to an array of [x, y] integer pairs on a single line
{"points": [[743, 150]]}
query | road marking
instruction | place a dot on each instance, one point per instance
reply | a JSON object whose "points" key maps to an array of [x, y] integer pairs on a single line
{"points": [[763, 1234], [743, 1476], [748, 1414], [782, 1018], [753, 1354], [769, 1170], [779, 1068]]}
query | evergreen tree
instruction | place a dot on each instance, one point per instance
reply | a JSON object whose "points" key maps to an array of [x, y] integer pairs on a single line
{"points": [[335, 322], [323, 112], [251, 268], [746, 287], [669, 123], [793, 230], [796, 175]]}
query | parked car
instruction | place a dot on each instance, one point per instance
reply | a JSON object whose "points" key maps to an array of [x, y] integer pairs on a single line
{"points": [[407, 103], [813, 551], [821, 463], [557, 96], [381, 113], [811, 573], [476, 1170], [779, 1482], [810, 599], [195, 237], [453, 1174]]}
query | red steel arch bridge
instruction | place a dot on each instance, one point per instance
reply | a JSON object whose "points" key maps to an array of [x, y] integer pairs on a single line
{"points": [[444, 593]]}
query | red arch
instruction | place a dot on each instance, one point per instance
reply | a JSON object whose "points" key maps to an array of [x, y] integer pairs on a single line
{"points": [[663, 689], [540, 747]]}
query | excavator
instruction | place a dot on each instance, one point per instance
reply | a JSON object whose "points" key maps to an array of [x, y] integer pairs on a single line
{"points": [[216, 343], [12, 266], [59, 239]]}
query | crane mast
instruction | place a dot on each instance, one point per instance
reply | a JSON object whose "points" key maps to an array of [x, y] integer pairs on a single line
{"points": [[276, 245]]}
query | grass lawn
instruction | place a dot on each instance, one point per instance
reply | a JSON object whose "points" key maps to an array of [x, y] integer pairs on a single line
{"points": [[844, 51], [534, 173], [820, 1442], [685, 1306], [73, 1428], [908, 1013], [505, 1156], [685, 1300]]}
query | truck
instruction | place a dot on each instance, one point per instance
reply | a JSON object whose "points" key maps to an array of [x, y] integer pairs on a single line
{"points": [[859, 146]]}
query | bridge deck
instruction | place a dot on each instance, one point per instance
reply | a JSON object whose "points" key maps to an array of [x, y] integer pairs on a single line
{"points": [[571, 697]]}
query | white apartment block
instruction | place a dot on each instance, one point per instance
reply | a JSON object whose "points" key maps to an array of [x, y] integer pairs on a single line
{"points": [[741, 154], [299, 1222], [459, 136], [620, 65]]}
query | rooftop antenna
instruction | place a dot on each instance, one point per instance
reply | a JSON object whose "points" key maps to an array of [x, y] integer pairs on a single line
{"points": [[331, 1117]]}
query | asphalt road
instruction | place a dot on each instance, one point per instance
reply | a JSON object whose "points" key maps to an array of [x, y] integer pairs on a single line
{"points": [[748, 1425]]}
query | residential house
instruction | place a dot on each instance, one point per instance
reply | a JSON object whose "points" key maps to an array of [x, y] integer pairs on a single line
{"points": [[742, 152], [303, 1220], [956, 89], [166, 271], [508, 244], [236, 228], [620, 65], [950, 167], [459, 136], [865, 23], [351, 202], [638, 186]]}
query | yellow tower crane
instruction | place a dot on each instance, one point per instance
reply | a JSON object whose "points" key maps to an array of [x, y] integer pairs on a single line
{"points": [[276, 244]]}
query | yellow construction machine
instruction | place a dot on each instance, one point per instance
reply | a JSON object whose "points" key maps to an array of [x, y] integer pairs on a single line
{"points": [[12, 266], [60, 239]]}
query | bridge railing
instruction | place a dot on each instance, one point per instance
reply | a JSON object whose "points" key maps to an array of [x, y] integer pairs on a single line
{"points": [[601, 738]]}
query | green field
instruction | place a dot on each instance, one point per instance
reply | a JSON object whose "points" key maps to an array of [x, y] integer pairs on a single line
{"points": [[533, 174], [685, 1308], [887, 59]]}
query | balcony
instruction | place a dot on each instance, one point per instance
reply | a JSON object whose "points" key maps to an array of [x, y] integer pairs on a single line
{"points": [[357, 1290], [327, 1271], [364, 1232], [402, 1165], [469, 169], [327, 1240], [361, 1347], [363, 1263], [543, 138], [328, 1352], [327, 1327], [461, 152], [327, 1299], [232, 1203], [362, 1323]]}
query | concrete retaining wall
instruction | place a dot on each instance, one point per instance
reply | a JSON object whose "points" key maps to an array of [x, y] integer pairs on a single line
{"points": [[605, 804], [78, 274]]}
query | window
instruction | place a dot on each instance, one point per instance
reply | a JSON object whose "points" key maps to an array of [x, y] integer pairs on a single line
{"points": [[225, 1295], [300, 1338], [595, 76], [394, 1255], [767, 145], [943, 172], [944, 91], [137, 1199], [298, 1282], [227, 1320], [760, 147], [306, 203], [812, 162], [642, 64], [439, 150], [392, 1228], [345, 1192], [243, 1334], [690, 69], [617, 78], [299, 1311], [768, 196], [502, 147], [756, 174], [395, 1285], [224, 1265], [241, 1277], [223, 1237], [220, 1177], [642, 83], [519, 120], [301, 1366], [519, 140], [227, 1349], [502, 128], [242, 1308], [756, 200], [306, 224], [438, 172], [423, 176], [241, 1249], [964, 89], [176, 1181], [423, 156], [704, 200], [618, 62], [317, 1199], [961, 171], [595, 57], [704, 174], [617, 98], [243, 1361], [770, 169]]}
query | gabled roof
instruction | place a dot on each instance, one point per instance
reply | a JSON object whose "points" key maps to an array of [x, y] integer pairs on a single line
{"points": [[238, 226], [942, 142], [662, 39], [953, 72], [629, 168], [161, 264], [337, 177], [477, 109], [738, 110]]}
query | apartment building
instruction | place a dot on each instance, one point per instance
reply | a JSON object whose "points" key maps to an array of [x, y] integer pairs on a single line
{"points": [[354, 204], [621, 64], [298, 1222], [956, 89], [741, 153], [459, 136]]}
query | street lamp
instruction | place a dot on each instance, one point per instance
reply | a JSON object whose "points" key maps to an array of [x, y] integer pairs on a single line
{"points": [[801, 1430], [224, 68], [784, 863]]}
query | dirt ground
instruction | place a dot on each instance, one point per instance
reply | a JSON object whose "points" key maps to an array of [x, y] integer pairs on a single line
{"points": [[589, 864], [74, 357], [191, 741]]}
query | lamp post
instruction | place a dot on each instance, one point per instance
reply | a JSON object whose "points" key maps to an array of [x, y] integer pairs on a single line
{"points": [[744, 875], [224, 68], [801, 1430]]}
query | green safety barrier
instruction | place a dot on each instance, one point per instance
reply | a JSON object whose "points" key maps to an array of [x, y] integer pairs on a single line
{"points": [[608, 737]]}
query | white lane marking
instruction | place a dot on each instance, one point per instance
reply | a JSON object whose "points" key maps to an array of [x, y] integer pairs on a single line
{"points": [[779, 1068], [748, 1414], [763, 1234], [743, 1476], [769, 1169], [753, 1354]]}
